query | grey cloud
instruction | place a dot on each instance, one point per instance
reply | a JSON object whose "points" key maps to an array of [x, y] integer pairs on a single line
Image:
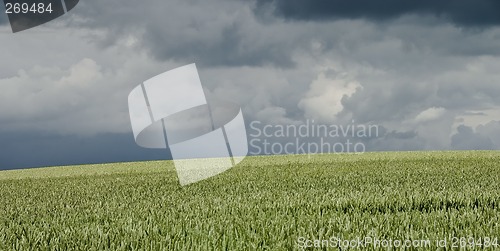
{"points": [[467, 139], [211, 33], [492, 131], [226, 33], [225, 47], [462, 12], [475, 113], [397, 144], [394, 101], [402, 135], [79, 91], [456, 83], [80, 99]]}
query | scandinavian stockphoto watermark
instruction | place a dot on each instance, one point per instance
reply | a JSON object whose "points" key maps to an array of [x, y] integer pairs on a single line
{"points": [[206, 136], [310, 137]]}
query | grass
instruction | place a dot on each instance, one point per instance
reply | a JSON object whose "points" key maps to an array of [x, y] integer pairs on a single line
{"points": [[265, 203]]}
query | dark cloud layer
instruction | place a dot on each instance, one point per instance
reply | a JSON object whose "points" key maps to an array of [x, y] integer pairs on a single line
{"points": [[3, 16], [229, 49], [26, 150], [467, 139], [462, 12]]}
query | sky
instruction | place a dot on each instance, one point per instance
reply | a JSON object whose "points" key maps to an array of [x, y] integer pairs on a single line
{"points": [[426, 73]]}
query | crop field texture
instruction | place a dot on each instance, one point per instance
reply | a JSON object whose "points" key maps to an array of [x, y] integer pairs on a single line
{"points": [[265, 203]]}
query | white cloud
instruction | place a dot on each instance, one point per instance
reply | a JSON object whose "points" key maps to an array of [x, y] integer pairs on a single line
{"points": [[323, 100], [431, 114]]}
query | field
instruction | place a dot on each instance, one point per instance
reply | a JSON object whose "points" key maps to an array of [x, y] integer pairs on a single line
{"points": [[265, 203]]}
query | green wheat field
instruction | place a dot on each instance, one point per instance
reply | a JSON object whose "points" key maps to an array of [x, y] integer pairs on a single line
{"points": [[265, 203]]}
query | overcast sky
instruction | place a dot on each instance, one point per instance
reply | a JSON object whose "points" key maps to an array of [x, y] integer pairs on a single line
{"points": [[426, 72]]}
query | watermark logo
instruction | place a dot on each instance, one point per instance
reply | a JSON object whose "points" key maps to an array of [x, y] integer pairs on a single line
{"points": [[205, 136], [310, 137], [26, 14]]}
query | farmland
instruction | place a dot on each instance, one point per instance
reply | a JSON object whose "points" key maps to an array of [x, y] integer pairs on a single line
{"points": [[265, 203]]}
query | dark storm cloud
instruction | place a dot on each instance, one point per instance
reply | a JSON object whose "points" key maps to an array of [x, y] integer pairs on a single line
{"points": [[3, 16], [463, 12], [25, 150], [210, 33], [228, 49]]}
